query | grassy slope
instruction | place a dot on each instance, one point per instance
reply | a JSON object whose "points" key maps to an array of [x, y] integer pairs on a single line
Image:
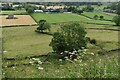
{"points": [[24, 41], [66, 17]]}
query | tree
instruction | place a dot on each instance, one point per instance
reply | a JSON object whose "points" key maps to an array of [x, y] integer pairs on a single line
{"points": [[71, 37], [118, 8], [88, 8], [101, 17], [43, 25], [116, 19], [96, 17]]}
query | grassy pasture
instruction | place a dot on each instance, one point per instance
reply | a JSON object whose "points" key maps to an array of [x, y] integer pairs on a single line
{"points": [[66, 17], [92, 14], [14, 12], [24, 41]]}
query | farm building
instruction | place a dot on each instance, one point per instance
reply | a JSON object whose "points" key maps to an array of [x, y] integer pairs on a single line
{"points": [[38, 11], [55, 7]]}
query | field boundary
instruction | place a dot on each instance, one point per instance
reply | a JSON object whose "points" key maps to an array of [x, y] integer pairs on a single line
{"points": [[104, 29]]}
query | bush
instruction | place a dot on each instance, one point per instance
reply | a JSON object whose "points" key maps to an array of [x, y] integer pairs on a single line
{"points": [[116, 19], [95, 17], [43, 25], [93, 41], [71, 37], [101, 17]]}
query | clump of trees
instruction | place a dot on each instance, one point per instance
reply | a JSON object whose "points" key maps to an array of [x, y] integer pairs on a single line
{"points": [[88, 8], [71, 37], [116, 19], [7, 7], [30, 9], [98, 17], [74, 10], [43, 25]]}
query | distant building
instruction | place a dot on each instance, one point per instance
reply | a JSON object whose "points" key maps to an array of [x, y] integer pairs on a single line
{"points": [[38, 11], [109, 10], [4, 4], [42, 6], [55, 7], [16, 6]]}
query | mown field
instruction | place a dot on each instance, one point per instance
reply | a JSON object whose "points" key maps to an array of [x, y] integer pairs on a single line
{"points": [[19, 42], [92, 14], [67, 17], [20, 20]]}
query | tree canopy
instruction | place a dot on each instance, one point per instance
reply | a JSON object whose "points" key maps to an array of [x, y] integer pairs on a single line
{"points": [[70, 37]]}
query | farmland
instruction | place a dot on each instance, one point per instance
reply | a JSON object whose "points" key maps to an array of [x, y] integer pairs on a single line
{"points": [[27, 52], [92, 14], [14, 12], [23, 41], [67, 17], [21, 20]]}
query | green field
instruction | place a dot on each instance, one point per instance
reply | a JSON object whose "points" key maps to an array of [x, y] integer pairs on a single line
{"points": [[92, 14], [14, 12], [20, 42], [66, 17], [25, 41]]}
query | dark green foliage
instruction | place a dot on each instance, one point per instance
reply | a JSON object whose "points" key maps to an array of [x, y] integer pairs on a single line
{"points": [[7, 7], [93, 41], [71, 37], [74, 10], [43, 25], [116, 19], [118, 8], [30, 9], [101, 17], [88, 8], [96, 17]]}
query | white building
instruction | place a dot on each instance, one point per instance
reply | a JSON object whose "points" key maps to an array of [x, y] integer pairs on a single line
{"points": [[40, 11]]}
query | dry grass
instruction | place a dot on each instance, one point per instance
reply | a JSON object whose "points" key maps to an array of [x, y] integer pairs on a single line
{"points": [[21, 20]]}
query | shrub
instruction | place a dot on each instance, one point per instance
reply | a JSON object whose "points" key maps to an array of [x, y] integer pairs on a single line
{"points": [[101, 17], [95, 17], [93, 41], [71, 37], [116, 19], [43, 25]]}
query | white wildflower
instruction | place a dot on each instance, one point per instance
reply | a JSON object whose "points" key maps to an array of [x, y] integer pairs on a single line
{"points": [[30, 62], [4, 51], [60, 59], [66, 57], [75, 59], [92, 53], [66, 51], [40, 68], [61, 53], [35, 59], [74, 51], [13, 67], [85, 50], [39, 62]]}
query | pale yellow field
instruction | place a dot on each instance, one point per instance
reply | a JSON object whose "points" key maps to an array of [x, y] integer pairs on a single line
{"points": [[21, 20]]}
